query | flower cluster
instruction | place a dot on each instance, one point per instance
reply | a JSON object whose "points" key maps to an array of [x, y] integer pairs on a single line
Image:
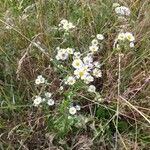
{"points": [[127, 36], [66, 25], [40, 80], [46, 98], [42, 98], [63, 54], [73, 109], [121, 10], [84, 67]]}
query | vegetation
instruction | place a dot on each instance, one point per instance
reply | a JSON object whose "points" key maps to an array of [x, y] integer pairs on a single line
{"points": [[52, 97]]}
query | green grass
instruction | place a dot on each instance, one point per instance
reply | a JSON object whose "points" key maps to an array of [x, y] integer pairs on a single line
{"points": [[121, 121]]}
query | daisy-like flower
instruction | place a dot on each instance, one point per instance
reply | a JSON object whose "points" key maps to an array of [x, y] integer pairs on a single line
{"points": [[66, 25], [97, 73], [93, 48], [91, 89], [76, 55], [48, 94], [88, 79], [62, 54], [121, 36], [78, 107], [77, 63], [50, 102], [70, 25], [72, 110], [98, 98], [40, 80], [97, 64], [129, 36], [57, 57], [87, 60], [81, 73], [131, 45], [70, 80], [100, 37], [70, 50], [61, 88], [122, 10], [64, 21], [94, 42], [37, 101]]}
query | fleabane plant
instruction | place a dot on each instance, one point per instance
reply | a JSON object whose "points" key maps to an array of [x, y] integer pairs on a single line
{"points": [[124, 38], [43, 96], [79, 66], [66, 25], [83, 66]]}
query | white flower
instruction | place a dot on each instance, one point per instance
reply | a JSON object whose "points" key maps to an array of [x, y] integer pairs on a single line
{"points": [[40, 79], [70, 50], [88, 79], [97, 64], [122, 10], [131, 44], [37, 100], [64, 24], [87, 60], [77, 63], [37, 81], [121, 36], [97, 73], [91, 89], [78, 107], [62, 54], [50, 102], [70, 80], [77, 55], [70, 25], [98, 98], [66, 27], [81, 73], [61, 88], [72, 110], [48, 94], [57, 57], [93, 48], [129, 36], [100, 36], [94, 42], [64, 21]]}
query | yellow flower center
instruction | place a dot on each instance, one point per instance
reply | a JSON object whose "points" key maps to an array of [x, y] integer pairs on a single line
{"points": [[77, 64], [81, 73]]}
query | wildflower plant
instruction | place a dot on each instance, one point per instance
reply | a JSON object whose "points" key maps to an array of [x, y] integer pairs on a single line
{"points": [[79, 72]]}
